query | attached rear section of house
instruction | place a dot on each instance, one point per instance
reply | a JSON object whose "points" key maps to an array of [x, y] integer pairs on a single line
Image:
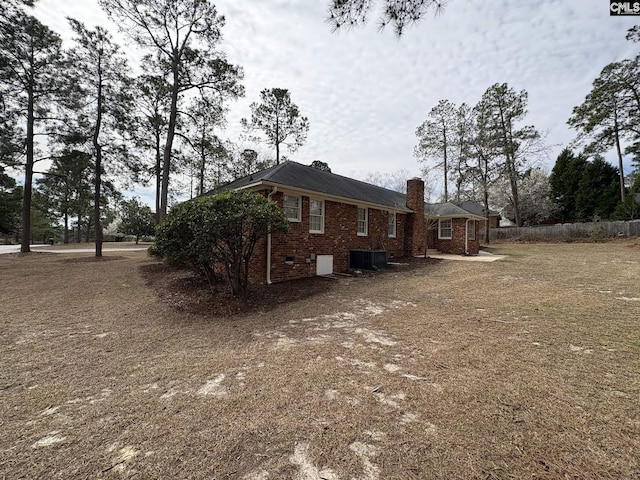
{"points": [[335, 223], [452, 229]]}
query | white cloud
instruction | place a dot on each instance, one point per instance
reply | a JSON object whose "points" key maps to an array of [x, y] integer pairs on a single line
{"points": [[365, 92]]}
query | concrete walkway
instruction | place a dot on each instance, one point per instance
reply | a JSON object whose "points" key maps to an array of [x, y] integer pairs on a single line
{"points": [[44, 249], [90, 250], [481, 257], [15, 248]]}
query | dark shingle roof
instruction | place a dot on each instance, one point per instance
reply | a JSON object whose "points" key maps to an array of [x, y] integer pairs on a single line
{"points": [[477, 208], [447, 209], [296, 175]]}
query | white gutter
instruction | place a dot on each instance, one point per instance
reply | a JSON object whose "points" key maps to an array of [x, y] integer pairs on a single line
{"points": [[273, 190]]}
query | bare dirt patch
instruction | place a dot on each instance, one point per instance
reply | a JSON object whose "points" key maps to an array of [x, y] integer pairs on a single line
{"points": [[183, 290], [523, 368]]}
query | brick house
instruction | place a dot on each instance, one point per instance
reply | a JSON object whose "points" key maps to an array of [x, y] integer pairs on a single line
{"points": [[452, 229], [331, 216]]}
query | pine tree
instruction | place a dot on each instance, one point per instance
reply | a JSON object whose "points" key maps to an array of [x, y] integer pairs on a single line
{"points": [[103, 101], [67, 187], [30, 73], [610, 112], [504, 108], [184, 36], [279, 119], [351, 13]]}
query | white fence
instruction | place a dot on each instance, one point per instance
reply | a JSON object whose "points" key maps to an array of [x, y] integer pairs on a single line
{"points": [[569, 230]]}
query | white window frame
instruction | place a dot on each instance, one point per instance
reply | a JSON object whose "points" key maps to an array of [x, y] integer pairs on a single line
{"points": [[320, 216], [440, 228], [359, 222], [392, 224], [298, 218], [471, 229]]}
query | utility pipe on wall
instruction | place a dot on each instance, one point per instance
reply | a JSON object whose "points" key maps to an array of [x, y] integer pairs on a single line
{"points": [[466, 237]]}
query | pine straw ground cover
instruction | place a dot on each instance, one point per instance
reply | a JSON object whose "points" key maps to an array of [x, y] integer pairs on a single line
{"points": [[528, 367]]}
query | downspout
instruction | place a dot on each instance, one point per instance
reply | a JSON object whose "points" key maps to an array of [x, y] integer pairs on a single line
{"points": [[466, 237], [426, 237], [273, 190]]}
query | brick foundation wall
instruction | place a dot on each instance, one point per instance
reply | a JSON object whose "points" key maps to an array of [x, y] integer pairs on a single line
{"points": [[289, 252]]}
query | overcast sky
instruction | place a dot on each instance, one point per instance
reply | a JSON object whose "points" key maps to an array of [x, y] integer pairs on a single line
{"points": [[366, 91]]}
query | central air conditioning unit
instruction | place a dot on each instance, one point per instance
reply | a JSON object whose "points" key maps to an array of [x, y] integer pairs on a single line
{"points": [[368, 259]]}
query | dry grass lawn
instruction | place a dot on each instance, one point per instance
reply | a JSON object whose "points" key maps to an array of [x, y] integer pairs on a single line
{"points": [[527, 367]]}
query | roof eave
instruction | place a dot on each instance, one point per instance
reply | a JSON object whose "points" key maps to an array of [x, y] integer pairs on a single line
{"points": [[470, 216], [327, 196]]}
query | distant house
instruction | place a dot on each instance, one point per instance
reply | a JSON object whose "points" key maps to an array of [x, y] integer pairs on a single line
{"points": [[336, 220], [452, 229]]}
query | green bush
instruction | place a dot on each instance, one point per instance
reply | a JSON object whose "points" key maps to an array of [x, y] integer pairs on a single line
{"points": [[218, 232], [630, 208]]}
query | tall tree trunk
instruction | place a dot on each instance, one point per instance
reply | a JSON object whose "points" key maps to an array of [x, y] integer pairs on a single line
{"points": [[507, 138], [66, 228], [201, 173], [487, 227], [616, 133], [459, 181], [87, 232], [277, 140], [515, 201], [485, 188], [98, 180], [168, 148], [445, 166], [158, 173], [96, 200], [28, 171]]}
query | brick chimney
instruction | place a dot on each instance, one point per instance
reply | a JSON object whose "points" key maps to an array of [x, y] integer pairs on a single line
{"points": [[416, 233]]}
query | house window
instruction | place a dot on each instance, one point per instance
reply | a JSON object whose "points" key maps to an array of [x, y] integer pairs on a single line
{"points": [[444, 229], [392, 224], [291, 206], [316, 216], [363, 222], [471, 230]]}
